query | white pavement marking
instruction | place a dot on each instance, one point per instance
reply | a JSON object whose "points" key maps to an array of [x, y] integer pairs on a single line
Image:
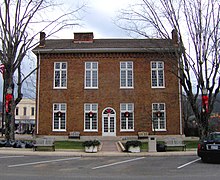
{"points": [[184, 165], [43, 162], [116, 163], [5, 157]]}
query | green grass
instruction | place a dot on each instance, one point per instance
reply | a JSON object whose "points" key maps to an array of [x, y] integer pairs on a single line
{"points": [[68, 145], [144, 146], [191, 144]]}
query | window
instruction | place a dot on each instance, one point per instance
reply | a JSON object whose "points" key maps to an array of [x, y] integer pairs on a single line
{"points": [[91, 75], [16, 111], [91, 117], [127, 116], [126, 74], [157, 74], [159, 117], [25, 111], [60, 75], [32, 111], [59, 117]]}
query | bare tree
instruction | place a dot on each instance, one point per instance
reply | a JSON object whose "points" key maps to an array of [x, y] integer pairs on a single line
{"points": [[20, 22], [196, 23]]}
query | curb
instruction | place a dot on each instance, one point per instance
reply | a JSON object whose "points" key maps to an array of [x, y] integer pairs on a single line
{"points": [[78, 153]]}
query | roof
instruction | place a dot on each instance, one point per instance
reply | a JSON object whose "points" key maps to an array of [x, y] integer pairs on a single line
{"points": [[105, 45]]}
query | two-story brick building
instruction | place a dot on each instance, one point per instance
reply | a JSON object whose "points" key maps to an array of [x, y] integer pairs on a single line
{"points": [[107, 87]]}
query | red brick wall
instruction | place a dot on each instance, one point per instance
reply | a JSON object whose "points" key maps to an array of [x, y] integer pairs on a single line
{"points": [[108, 93]]}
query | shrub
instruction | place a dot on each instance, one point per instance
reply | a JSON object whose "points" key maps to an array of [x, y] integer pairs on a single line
{"points": [[91, 143], [132, 143]]}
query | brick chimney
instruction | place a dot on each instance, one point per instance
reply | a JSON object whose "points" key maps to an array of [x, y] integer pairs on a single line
{"points": [[83, 37], [42, 39], [175, 36]]}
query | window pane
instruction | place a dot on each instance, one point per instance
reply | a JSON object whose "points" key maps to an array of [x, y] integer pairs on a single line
{"points": [[155, 124], [87, 121], [57, 65], [63, 84], [123, 65], [153, 65], [129, 65], [88, 79], [123, 74], [95, 65], [63, 65], [130, 107], [94, 121], [130, 121], [87, 107], [56, 121], [94, 107], [32, 111], [160, 64], [63, 107], [162, 124], [123, 107], [129, 83], [129, 74], [63, 121], [162, 107], [155, 107], [94, 79], [57, 78], [88, 65], [123, 121], [154, 82]]}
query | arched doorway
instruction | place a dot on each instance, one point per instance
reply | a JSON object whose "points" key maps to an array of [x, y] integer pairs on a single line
{"points": [[109, 122]]}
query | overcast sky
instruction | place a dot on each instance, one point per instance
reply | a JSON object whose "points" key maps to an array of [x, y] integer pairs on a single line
{"points": [[98, 17]]}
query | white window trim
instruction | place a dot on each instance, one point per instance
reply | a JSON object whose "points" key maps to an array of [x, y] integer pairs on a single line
{"points": [[54, 76], [126, 69], [157, 87], [60, 130], [90, 130], [91, 70], [127, 130], [160, 130]]}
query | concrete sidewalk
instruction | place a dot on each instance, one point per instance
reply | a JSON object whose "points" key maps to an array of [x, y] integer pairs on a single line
{"points": [[60, 152]]}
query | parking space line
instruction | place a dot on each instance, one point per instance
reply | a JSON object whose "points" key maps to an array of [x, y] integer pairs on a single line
{"points": [[43, 162], [5, 157], [191, 162], [116, 163]]}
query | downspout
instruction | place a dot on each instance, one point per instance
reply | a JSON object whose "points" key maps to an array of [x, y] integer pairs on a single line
{"points": [[38, 90], [180, 102], [180, 99]]}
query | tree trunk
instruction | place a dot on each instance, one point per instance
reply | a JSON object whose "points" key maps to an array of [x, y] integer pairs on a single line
{"points": [[9, 107], [203, 128]]}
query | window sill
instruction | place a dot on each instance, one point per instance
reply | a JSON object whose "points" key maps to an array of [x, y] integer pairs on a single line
{"points": [[90, 130], [159, 130], [127, 130], [59, 88], [126, 87], [55, 130], [159, 87], [87, 88]]}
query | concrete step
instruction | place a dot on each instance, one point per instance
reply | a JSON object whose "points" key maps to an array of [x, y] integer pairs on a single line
{"points": [[109, 146]]}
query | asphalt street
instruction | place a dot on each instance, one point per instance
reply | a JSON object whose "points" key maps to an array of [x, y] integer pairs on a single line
{"points": [[32, 167]]}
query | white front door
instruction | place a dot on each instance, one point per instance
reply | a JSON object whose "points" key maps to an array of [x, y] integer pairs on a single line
{"points": [[108, 122]]}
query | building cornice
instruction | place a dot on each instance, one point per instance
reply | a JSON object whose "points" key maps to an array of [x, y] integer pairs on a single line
{"points": [[103, 50]]}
